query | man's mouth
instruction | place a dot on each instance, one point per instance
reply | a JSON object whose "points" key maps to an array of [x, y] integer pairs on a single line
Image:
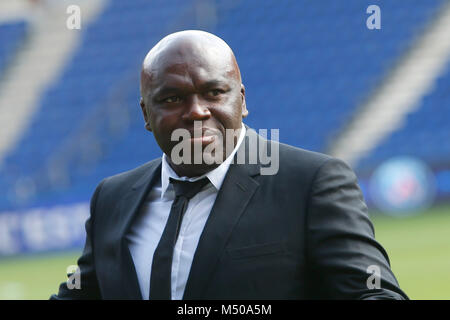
{"points": [[204, 140], [204, 136]]}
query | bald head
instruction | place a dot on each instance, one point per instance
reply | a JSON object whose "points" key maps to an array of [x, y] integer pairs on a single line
{"points": [[190, 47]]}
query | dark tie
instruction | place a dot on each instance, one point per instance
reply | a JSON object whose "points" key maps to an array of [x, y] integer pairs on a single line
{"points": [[160, 279]]}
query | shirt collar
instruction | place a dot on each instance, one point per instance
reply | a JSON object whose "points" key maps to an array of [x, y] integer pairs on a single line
{"points": [[215, 176]]}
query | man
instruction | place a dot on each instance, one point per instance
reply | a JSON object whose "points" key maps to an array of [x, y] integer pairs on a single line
{"points": [[301, 233]]}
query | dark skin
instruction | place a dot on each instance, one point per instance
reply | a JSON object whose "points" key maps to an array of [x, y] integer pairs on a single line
{"points": [[192, 76]]}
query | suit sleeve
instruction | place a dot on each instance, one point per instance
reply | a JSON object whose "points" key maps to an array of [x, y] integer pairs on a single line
{"points": [[88, 279], [344, 257]]}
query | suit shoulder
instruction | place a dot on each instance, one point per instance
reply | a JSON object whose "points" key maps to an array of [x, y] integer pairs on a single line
{"points": [[298, 156], [131, 176], [305, 162]]}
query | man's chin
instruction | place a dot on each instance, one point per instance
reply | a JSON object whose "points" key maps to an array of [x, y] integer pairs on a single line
{"points": [[192, 169], [205, 159]]}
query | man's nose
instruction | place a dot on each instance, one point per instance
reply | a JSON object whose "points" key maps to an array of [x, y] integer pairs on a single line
{"points": [[196, 109]]}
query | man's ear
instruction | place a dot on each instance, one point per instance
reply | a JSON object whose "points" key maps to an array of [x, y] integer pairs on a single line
{"points": [[244, 105], [144, 112]]}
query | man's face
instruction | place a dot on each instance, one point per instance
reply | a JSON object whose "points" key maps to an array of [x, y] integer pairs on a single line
{"points": [[190, 84]]}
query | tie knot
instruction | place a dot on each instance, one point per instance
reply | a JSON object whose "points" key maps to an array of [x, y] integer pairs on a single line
{"points": [[188, 189]]}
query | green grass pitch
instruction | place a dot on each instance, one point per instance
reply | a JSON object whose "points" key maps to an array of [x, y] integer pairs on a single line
{"points": [[418, 248]]}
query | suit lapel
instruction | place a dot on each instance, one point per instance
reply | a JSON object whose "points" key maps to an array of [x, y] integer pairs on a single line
{"points": [[131, 204], [232, 199]]}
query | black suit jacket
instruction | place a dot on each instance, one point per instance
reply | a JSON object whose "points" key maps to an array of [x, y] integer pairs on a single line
{"points": [[303, 233]]}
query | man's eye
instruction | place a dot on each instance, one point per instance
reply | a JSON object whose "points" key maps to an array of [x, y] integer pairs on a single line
{"points": [[215, 92], [173, 99]]}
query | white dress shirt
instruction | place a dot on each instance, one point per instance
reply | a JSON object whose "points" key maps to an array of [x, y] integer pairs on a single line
{"points": [[146, 231]]}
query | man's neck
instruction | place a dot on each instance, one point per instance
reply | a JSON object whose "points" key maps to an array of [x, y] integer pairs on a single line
{"points": [[191, 170]]}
